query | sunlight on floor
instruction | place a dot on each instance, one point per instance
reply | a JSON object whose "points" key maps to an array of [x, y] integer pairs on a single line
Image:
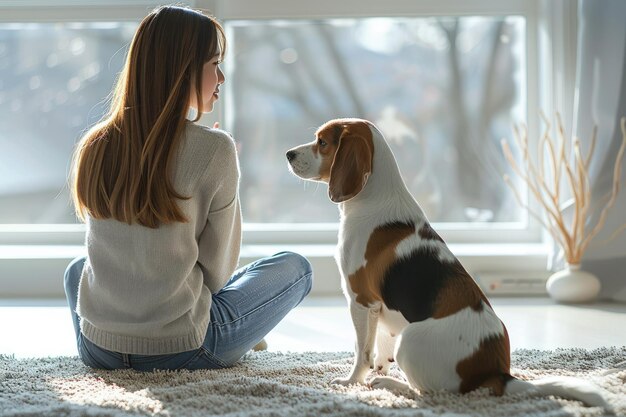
{"points": [[44, 328]]}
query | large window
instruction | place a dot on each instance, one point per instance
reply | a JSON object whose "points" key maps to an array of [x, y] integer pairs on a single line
{"points": [[444, 81]]}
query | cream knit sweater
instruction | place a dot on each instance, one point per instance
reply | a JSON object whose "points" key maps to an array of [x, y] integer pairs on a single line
{"points": [[148, 291]]}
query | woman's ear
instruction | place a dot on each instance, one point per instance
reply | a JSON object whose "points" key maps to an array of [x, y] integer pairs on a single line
{"points": [[351, 167]]}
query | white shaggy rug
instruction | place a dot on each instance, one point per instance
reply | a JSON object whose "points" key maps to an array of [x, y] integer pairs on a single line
{"points": [[285, 384]]}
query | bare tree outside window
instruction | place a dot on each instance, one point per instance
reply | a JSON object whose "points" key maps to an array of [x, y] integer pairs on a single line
{"points": [[444, 91]]}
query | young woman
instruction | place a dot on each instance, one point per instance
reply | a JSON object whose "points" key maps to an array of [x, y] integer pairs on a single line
{"points": [[159, 195]]}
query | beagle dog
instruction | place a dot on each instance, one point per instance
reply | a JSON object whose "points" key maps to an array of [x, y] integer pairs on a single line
{"points": [[411, 300]]}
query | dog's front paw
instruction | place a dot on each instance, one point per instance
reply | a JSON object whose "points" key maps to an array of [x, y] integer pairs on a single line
{"points": [[346, 381], [388, 383]]}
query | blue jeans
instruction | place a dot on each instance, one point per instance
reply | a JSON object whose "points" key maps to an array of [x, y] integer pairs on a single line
{"points": [[255, 299]]}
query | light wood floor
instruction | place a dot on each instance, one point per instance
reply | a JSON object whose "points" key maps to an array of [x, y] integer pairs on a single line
{"points": [[44, 328]]}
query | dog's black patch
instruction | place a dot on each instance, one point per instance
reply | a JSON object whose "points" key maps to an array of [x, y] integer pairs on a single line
{"points": [[411, 285]]}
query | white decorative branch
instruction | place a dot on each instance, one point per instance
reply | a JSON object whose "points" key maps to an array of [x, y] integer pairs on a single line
{"points": [[574, 238]]}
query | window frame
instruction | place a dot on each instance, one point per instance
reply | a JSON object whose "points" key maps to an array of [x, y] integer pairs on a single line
{"points": [[543, 33]]}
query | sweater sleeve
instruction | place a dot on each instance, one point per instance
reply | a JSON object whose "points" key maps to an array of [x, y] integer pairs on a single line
{"points": [[219, 243]]}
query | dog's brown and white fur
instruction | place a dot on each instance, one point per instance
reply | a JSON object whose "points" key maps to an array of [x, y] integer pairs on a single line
{"points": [[410, 298]]}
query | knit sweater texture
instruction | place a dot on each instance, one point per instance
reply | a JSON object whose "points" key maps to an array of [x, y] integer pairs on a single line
{"points": [[148, 291]]}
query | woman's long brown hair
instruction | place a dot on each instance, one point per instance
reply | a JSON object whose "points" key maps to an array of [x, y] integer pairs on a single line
{"points": [[123, 165]]}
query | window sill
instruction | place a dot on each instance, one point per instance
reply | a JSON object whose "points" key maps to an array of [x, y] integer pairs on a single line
{"points": [[37, 270]]}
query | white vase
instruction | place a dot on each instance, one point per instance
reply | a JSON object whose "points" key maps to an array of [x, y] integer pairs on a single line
{"points": [[573, 285]]}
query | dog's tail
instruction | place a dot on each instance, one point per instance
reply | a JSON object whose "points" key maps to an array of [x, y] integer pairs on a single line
{"points": [[564, 387]]}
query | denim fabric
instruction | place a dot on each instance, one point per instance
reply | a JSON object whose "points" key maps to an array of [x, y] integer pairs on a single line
{"points": [[255, 299]]}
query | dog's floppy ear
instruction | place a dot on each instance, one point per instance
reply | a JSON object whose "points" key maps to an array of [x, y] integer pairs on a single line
{"points": [[351, 167]]}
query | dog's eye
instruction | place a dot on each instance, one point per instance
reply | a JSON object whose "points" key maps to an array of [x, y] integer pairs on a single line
{"points": [[321, 142]]}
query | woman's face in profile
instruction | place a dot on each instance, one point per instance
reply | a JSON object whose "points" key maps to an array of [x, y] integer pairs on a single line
{"points": [[212, 78]]}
